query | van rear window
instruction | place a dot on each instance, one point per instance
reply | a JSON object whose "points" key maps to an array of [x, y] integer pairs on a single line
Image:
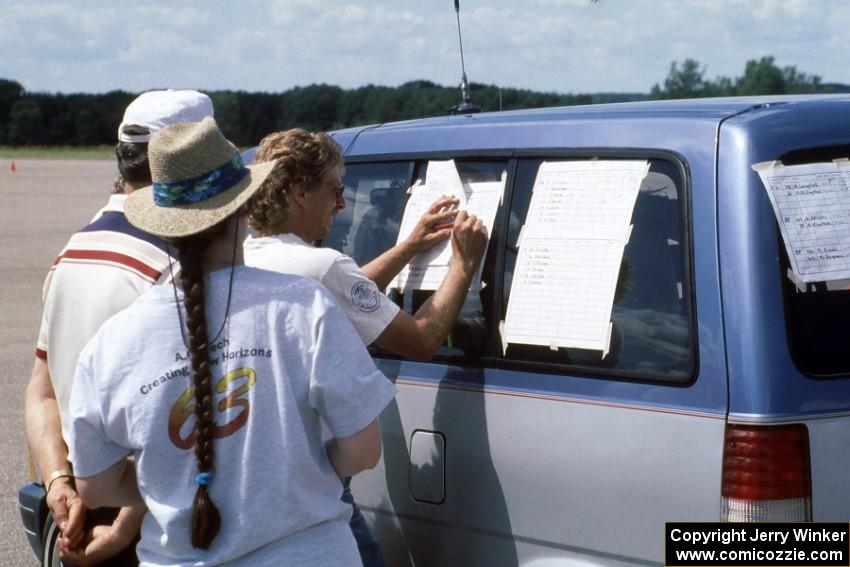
{"points": [[818, 327], [818, 320]]}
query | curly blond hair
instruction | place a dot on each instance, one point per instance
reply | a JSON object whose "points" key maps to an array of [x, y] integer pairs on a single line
{"points": [[302, 159]]}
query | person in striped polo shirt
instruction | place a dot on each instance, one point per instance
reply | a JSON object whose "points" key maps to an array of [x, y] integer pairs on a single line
{"points": [[103, 268]]}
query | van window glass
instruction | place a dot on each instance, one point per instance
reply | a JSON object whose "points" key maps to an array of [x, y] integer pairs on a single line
{"points": [[375, 194], [470, 335], [817, 320], [651, 315], [817, 325]]}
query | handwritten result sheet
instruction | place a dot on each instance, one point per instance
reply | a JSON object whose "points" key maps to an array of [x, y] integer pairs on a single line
{"points": [[570, 251], [812, 204], [427, 270]]}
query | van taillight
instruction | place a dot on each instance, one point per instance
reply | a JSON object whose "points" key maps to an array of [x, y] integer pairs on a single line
{"points": [[766, 474]]}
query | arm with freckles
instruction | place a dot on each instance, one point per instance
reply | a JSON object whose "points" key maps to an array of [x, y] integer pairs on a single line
{"points": [[420, 335]]}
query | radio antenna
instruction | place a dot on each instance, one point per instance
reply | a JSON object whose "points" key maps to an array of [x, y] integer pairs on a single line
{"points": [[465, 106]]}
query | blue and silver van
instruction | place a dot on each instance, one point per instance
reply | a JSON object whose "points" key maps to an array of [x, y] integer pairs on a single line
{"points": [[726, 394]]}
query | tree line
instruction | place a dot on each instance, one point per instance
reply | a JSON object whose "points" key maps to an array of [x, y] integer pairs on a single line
{"points": [[45, 119], [760, 77], [42, 119]]}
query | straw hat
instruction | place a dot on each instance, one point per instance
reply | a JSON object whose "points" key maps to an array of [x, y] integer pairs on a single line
{"points": [[199, 179]]}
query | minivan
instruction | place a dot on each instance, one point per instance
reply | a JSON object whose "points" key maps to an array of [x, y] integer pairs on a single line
{"points": [[724, 394]]}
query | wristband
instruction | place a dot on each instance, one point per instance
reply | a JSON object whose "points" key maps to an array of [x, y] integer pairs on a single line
{"points": [[56, 475]]}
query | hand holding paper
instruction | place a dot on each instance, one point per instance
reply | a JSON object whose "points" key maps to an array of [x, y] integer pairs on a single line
{"points": [[428, 268], [434, 225], [469, 238]]}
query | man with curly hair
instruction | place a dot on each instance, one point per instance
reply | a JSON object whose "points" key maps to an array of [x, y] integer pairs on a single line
{"points": [[296, 206]]}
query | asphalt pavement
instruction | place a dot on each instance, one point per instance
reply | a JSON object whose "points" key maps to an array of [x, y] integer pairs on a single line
{"points": [[42, 203]]}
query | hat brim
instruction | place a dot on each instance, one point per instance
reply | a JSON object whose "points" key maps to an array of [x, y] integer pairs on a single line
{"points": [[185, 220]]}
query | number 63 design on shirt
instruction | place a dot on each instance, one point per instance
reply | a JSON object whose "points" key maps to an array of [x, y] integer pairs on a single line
{"points": [[184, 408]]}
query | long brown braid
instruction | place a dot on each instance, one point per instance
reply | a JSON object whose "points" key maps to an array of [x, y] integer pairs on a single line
{"points": [[206, 519]]}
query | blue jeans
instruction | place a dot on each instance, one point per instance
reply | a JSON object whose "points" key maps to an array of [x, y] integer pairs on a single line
{"points": [[367, 544]]}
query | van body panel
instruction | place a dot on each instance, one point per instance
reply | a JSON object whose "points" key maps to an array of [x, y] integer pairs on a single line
{"points": [[685, 136], [765, 383], [829, 440], [594, 453], [695, 399], [710, 109]]}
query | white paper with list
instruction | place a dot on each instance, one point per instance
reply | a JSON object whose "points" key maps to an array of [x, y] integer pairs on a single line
{"points": [[570, 251], [812, 205], [427, 270]]}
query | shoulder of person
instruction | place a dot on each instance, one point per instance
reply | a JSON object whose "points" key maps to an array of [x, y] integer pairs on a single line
{"points": [[285, 285]]}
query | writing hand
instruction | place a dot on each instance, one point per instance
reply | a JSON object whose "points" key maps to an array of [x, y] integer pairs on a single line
{"points": [[469, 238], [435, 225]]}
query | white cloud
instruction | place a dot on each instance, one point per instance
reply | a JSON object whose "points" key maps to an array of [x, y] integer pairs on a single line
{"points": [[553, 4], [770, 9], [169, 16], [552, 45]]}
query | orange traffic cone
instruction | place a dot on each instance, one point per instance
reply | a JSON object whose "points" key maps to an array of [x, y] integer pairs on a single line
{"points": [[12, 167]]}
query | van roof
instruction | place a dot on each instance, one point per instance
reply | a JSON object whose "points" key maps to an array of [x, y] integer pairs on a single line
{"points": [[479, 131]]}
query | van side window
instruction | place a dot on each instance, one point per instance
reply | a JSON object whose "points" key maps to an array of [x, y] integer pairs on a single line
{"points": [[375, 194], [470, 336], [651, 314]]}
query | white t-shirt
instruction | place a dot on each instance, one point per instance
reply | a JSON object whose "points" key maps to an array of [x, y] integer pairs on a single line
{"points": [[369, 310], [287, 361], [103, 268]]}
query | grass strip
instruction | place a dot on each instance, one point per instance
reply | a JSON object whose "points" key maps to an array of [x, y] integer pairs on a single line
{"points": [[57, 152]]}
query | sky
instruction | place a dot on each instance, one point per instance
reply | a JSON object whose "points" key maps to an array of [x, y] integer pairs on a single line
{"points": [[563, 46]]}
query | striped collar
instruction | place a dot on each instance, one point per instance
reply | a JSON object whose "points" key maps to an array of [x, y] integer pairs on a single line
{"points": [[115, 204]]}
